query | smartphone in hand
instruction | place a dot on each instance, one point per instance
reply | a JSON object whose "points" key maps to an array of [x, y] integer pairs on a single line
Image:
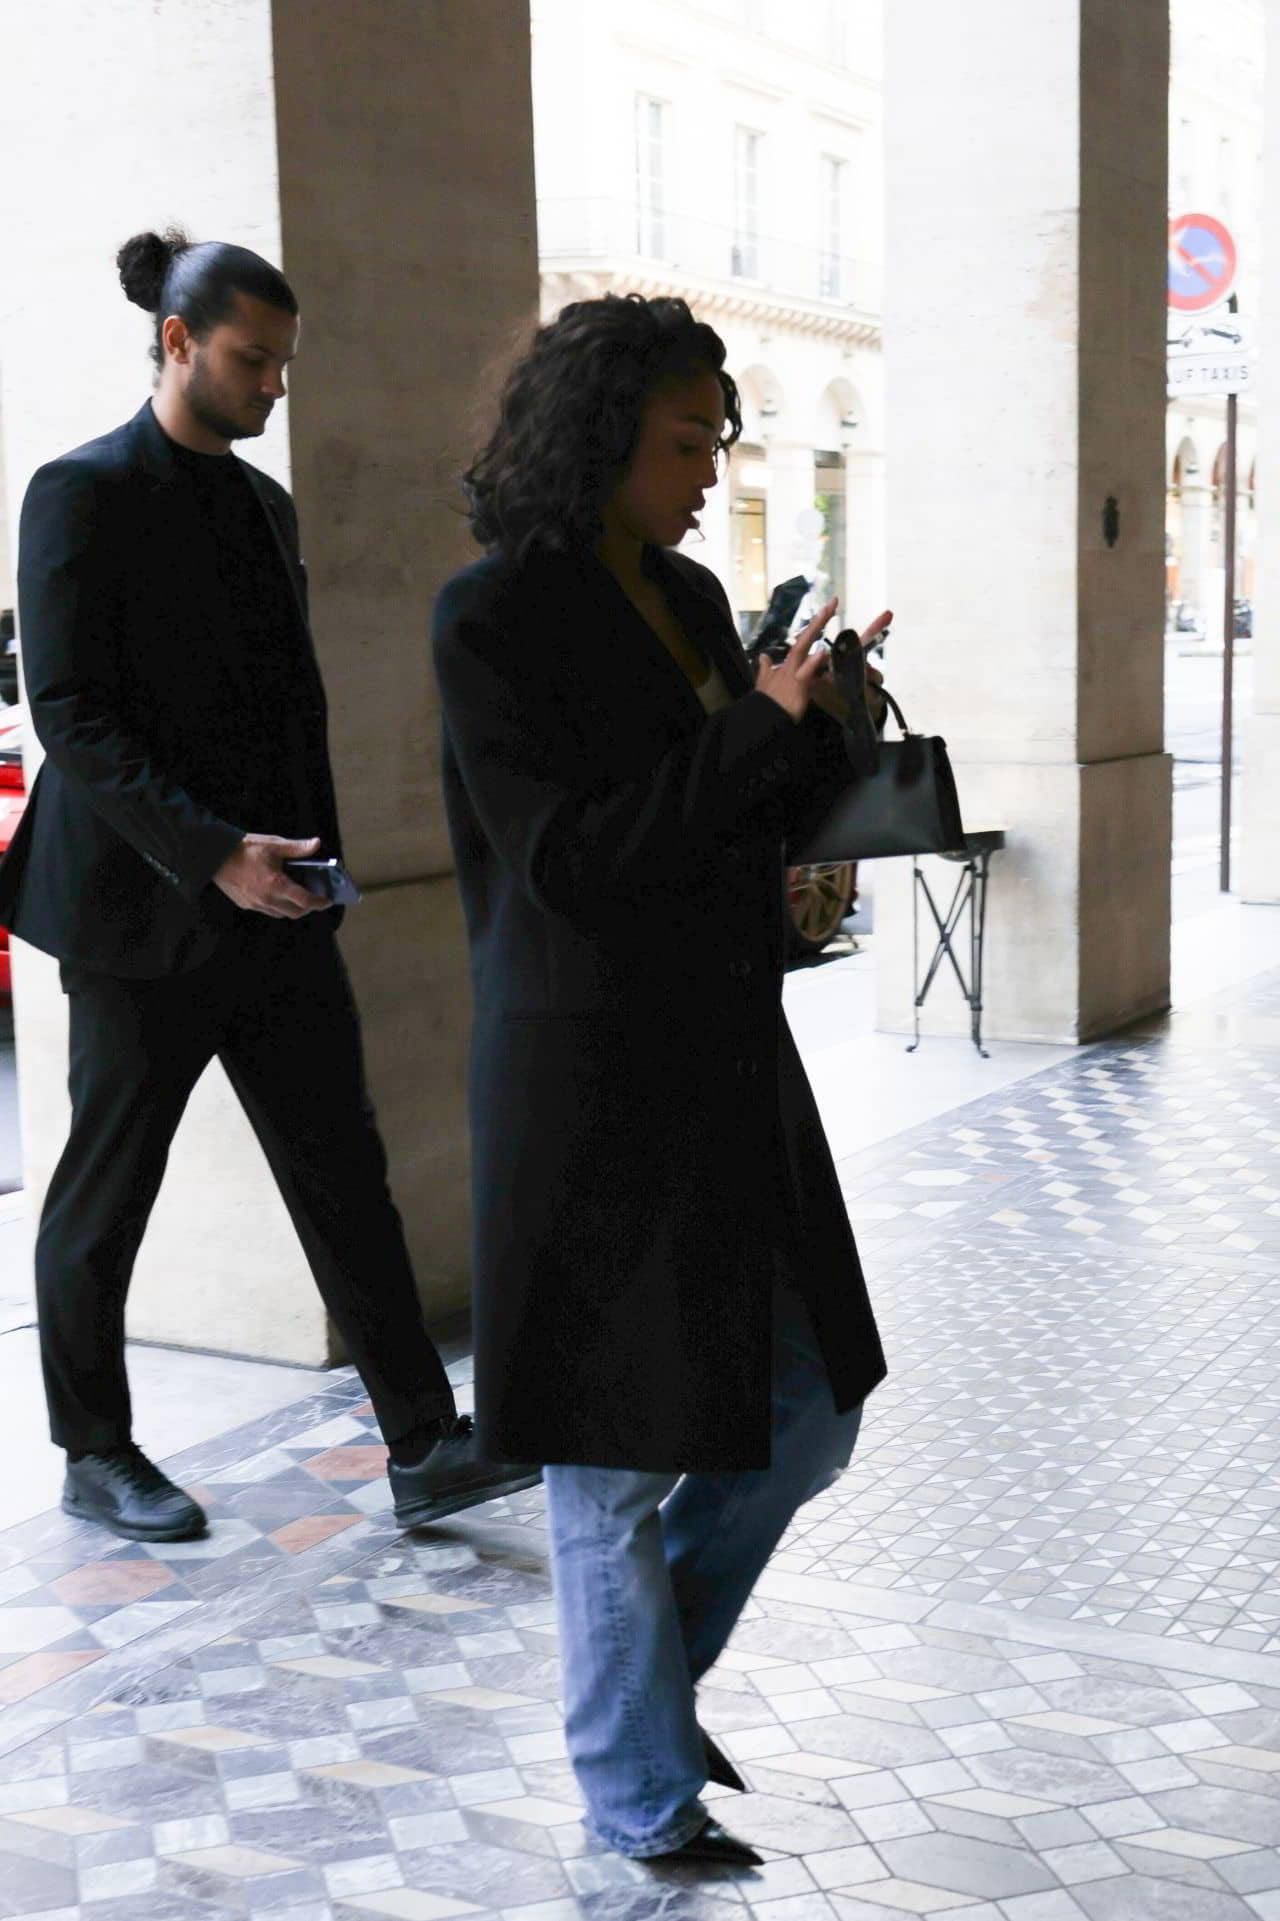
{"points": [[327, 878], [849, 672]]}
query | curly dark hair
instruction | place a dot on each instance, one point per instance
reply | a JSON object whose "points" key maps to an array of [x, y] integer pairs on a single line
{"points": [[570, 413]]}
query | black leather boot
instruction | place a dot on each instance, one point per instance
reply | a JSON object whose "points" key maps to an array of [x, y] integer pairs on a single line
{"points": [[451, 1476], [127, 1493]]}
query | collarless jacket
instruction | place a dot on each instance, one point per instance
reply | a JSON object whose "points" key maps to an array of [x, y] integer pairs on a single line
{"points": [[646, 1148], [138, 707]]}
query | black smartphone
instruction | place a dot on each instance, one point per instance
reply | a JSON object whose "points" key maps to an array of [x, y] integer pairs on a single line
{"points": [[327, 878], [849, 671], [773, 630]]}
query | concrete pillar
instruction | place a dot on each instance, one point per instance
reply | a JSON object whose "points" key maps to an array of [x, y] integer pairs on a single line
{"points": [[792, 541], [1024, 349], [1256, 868], [1197, 506], [864, 592], [384, 157]]}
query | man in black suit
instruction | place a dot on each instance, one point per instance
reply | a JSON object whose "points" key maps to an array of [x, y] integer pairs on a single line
{"points": [[173, 684]]}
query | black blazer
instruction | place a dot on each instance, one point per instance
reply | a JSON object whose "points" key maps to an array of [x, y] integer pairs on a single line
{"points": [[645, 1143], [137, 705]]}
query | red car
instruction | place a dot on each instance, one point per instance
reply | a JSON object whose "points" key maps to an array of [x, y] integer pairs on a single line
{"points": [[13, 798]]}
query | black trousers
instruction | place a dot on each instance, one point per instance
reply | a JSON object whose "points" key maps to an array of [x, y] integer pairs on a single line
{"points": [[275, 1006]]}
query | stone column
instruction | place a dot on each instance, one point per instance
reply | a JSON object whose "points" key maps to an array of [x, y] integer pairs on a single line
{"points": [[1024, 348], [791, 548], [863, 590], [1197, 506], [384, 157], [1256, 867]]}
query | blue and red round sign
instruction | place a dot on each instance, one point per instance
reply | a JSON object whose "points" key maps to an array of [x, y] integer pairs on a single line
{"points": [[1202, 262]]}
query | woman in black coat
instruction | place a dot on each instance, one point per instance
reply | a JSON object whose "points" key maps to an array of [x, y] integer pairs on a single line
{"points": [[669, 1309]]}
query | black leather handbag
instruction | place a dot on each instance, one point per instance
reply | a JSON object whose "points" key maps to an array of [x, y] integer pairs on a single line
{"points": [[908, 805]]}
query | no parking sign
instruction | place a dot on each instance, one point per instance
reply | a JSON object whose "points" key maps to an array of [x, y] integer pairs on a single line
{"points": [[1202, 262]]}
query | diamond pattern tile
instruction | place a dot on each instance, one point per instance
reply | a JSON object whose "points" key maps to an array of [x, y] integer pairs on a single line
{"points": [[1021, 1664]]}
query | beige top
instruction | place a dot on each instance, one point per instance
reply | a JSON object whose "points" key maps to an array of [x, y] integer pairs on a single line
{"points": [[713, 693]]}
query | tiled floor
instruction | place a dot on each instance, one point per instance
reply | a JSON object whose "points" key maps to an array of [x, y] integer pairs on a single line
{"points": [[1022, 1664]]}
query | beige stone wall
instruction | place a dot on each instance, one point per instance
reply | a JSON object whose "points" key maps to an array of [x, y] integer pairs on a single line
{"points": [[408, 228], [407, 211], [1024, 361], [384, 155]]}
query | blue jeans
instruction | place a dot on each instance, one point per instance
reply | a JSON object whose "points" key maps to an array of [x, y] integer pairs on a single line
{"points": [[651, 1573]]}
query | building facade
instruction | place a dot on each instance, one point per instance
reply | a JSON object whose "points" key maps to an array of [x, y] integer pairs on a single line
{"points": [[730, 152], [1215, 167]]}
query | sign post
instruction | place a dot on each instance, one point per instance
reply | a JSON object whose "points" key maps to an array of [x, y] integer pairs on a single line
{"points": [[1212, 359], [1228, 644]]}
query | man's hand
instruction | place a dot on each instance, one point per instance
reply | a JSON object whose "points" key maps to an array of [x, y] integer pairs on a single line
{"points": [[791, 683], [254, 877]]}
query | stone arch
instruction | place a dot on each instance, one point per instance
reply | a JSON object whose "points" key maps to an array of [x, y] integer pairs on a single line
{"points": [[840, 414], [1186, 463], [764, 403]]}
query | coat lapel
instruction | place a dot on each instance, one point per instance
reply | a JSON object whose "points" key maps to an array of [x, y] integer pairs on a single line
{"points": [[703, 619], [287, 560], [705, 622], [635, 652]]}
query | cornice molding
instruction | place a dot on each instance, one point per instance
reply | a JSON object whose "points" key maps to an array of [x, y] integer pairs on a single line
{"points": [[839, 116], [756, 84], [592, 280]]}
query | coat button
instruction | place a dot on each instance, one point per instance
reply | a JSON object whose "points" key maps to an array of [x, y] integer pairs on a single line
{"points": [[747, 1070], [739, 969]]}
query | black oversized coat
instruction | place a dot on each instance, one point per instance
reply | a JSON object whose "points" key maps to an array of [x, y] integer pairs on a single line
{"points": [[141, 710], [645, 1142]]}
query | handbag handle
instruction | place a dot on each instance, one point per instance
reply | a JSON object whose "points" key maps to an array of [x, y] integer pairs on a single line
{"points": [[895, 710]]}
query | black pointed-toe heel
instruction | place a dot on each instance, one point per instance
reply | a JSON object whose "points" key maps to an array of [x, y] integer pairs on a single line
{"points": [[711, 1844], [720, 1768]]}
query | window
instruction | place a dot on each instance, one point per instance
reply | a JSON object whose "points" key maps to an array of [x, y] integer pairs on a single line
{"points": [[746, 203], [831, 202], [651, 219]]}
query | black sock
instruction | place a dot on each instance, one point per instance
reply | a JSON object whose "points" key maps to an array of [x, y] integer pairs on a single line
{"points": [[410, 1447]]}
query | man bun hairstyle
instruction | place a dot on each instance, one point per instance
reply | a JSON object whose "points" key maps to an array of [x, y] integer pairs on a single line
{"points": [[569, 417], [166, 273], [144, 264]]}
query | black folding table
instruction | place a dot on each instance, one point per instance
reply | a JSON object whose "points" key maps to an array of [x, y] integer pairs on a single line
{"points": [[970, 897]]}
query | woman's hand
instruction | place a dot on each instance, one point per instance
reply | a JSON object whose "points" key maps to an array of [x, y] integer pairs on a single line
{"points": [[790, 683]]}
